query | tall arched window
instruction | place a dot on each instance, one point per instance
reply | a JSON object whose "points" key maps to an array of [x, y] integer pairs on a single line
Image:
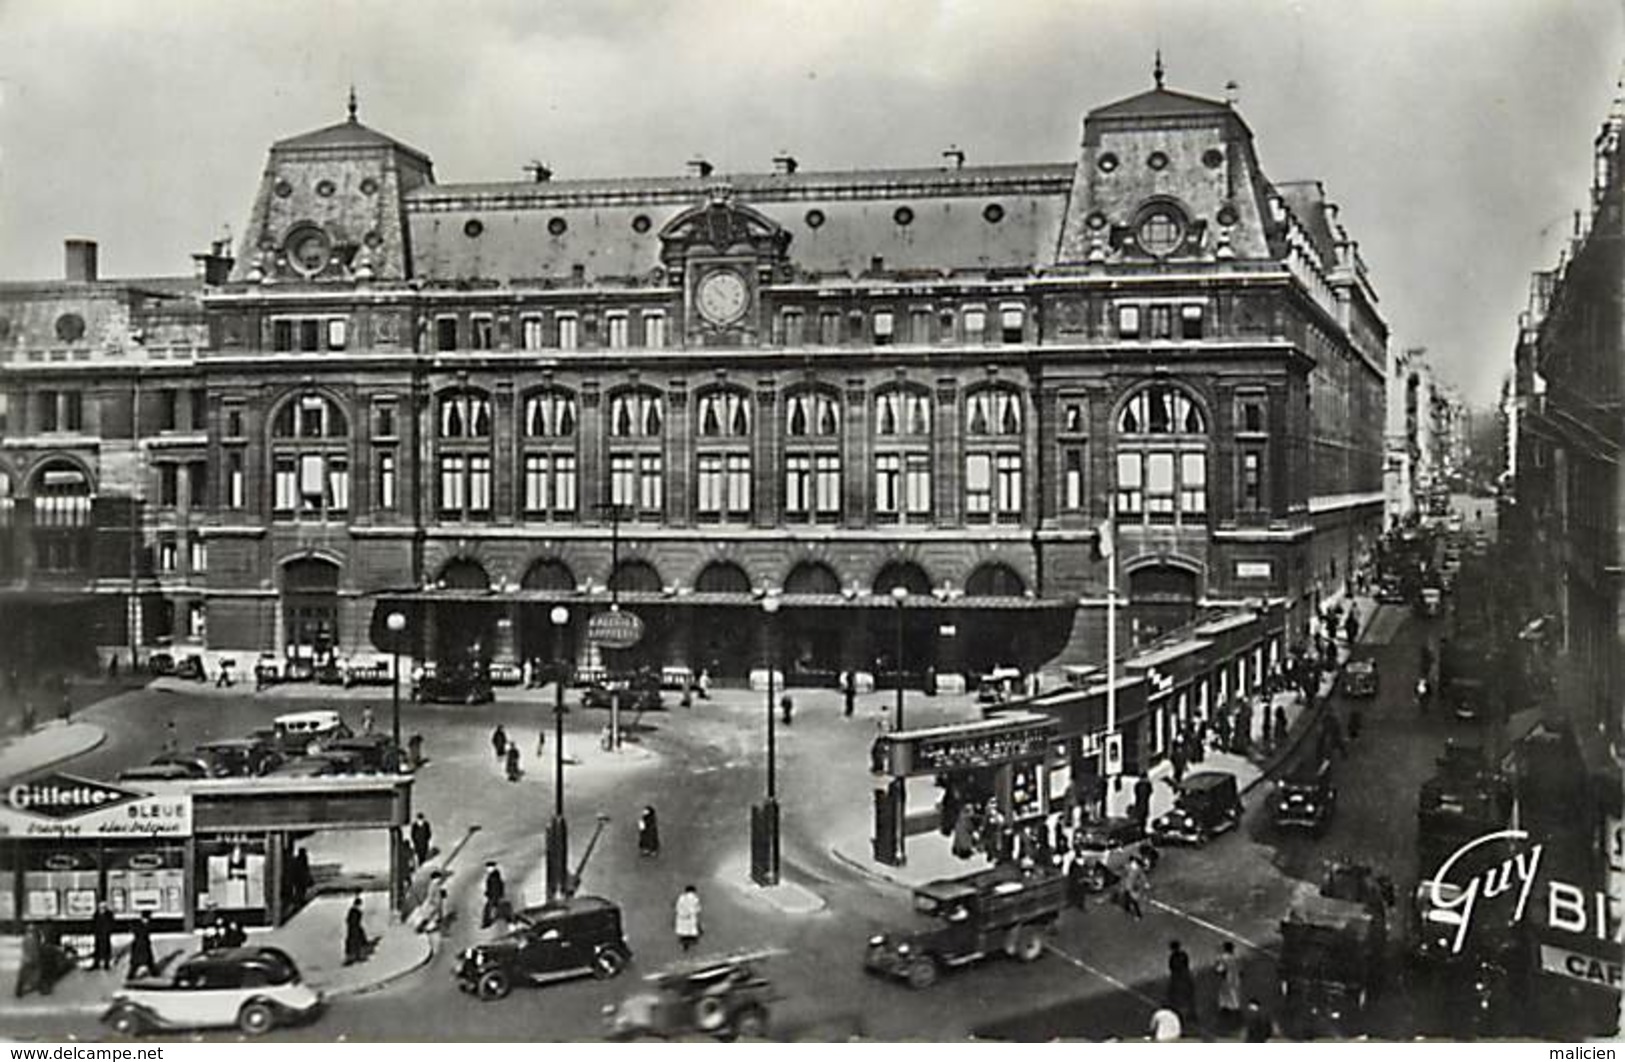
{"points": [[463, 455], [637, 422], [994, 417], [1161, 457], [902, 459], [7, 510], [310, 459], [549, 486], [812, 457], [722, 457]]}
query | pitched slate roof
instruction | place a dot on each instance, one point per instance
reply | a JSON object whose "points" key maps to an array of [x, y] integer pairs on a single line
{"points": [[1162, 103], [350, 134]]}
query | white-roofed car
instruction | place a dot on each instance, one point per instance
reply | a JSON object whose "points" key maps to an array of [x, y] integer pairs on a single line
{"points": [[255, 989]]}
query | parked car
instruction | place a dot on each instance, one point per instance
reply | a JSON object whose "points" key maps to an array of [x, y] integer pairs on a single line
{"points": [[1306, 798], [1001, 909], [460, 685], [1430, 601], [506, 674], [1208, 804], [330, 672], [999, 685], [1391, 591], [722, 996], [599, 694], [307, 732], [1360, 678], [255, 989], [1102, 850], [319, 765], [577, 937], [240, 757], [372, 753], [191, 667]]}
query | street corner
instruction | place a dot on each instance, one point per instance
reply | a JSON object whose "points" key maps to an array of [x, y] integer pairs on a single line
{"points": [[787, 897], [51, 744]]}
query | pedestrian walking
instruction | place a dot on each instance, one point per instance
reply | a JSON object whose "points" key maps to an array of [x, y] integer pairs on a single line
{"points": [[648, 832], [299, 877], [1134, 885], [414, 751], [436, 917], [512, 760], [172, 740], [541, 742], [141, 958], [101, 934], [234, 935], [1181, 985], [422, 834], [1165, 1025], [355, 934], [705, 683], [1423, 693], [496, 894], [1142, 798], [1257, 1026], [1351, 626], [499, 742], [849, 690], [1280, 724], [787, 708], [65, 705], [1176, 758], [686, 917], [1227, 995], [30, 966], [368, 721]]}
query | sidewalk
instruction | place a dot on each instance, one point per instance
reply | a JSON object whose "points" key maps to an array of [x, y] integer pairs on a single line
{"points": [[47, 746], [929, 854], [314, 937]]}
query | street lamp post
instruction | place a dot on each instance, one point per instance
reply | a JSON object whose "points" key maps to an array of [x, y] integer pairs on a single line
{"points": [[396, 623], [765, 816], [558, 834], [899, 595]]}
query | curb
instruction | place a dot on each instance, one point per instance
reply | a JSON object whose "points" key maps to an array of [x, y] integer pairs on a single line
{"points": [[430, 950], [876, 876], [101, 739]]}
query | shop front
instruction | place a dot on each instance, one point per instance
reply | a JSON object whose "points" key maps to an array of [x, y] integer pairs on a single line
{"points": [[176, 851], [1089, 753]]}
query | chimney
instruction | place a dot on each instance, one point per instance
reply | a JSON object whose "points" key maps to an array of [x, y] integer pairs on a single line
{"points": [[540, 172], [214, 265], [80, 256], [701, 167], [784, 164], [954, 152], [1232, 93]]}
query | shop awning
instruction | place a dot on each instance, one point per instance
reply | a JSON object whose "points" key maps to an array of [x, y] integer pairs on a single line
{"points": [[919, 602]]}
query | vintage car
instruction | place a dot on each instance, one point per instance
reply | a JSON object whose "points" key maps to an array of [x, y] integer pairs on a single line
{"points": [[308, 732], [254, 988], [1101, 851], [641, 699], [318, 765], [1333, 940], [1003, 909], [1305, 798], [999, 685], [502, 674], [453, 685], [574, 938], [1430, 601], [1359, 678], [373, 753], [1391, 591], [239, 757], [1208, 804], [720, 996]]}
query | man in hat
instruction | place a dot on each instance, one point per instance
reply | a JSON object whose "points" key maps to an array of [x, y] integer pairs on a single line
{"points": [[496, 894], [421, 835]]}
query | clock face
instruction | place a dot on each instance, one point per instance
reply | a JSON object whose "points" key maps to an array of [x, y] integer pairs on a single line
{"points": [[722, 297]]}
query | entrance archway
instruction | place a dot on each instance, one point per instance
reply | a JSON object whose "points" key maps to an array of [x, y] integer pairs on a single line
{"points": [[812, 577], [310, 607], [992, 639], [465, 631], [907, 574], [1162, 598], [722, 577], [539, 641], [464, 573]]}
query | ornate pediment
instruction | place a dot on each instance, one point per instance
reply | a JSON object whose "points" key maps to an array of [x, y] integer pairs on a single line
{"points": [[722, 227]]}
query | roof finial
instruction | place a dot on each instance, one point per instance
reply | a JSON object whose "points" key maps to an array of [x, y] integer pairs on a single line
{"points": [[1156, 71], [352, 102]]}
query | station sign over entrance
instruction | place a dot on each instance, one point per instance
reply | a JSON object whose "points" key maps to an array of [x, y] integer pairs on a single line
{"points": [[989, 743]]}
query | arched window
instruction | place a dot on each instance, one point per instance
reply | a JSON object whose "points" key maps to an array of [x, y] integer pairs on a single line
{"points": [[465, 415], [310, 459], [548, 488], [812, 413], [993, 411], [901, 411], [723, 414], [812, 577], [550, 415], [812, 458], [636, 576], [549, 574], [464, 573], [994, 579], [1162, 457], [722, 577], [906, 574], [636, 414]]}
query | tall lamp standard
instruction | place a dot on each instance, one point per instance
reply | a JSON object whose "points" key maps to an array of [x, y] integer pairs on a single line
{"points": [[764, 833], [899, 594], [396, 624], [558, 834]]}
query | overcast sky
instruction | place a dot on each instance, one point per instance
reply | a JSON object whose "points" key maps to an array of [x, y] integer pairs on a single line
{"points": [[1456, 134]]}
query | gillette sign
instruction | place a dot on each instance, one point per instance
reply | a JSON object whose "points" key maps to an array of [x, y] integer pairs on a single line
{"points": [[1569, 908], [60, 805]]}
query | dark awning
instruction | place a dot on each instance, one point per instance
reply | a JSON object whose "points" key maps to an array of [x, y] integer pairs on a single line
{"points": [[728, 599]]}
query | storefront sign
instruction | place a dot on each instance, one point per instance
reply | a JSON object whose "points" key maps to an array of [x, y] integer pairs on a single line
{"points": [[1576, 966], [61, 805], [977, 745], [615, 630], [1253, 570]]}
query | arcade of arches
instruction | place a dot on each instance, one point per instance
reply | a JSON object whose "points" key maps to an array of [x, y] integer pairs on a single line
{"points": [[821, 630]]}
